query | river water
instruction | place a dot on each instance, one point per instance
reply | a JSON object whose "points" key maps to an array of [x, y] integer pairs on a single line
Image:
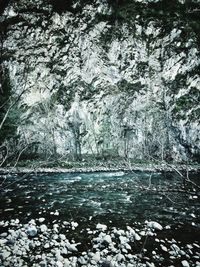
{"points": [[116, 199]]}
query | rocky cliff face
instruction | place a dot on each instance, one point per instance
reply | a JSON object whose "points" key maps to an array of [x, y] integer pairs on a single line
{"points": [[117, 77]]}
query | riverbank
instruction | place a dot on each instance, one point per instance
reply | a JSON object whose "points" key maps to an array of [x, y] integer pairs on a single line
{"points": [[150, 167], [97, 220], [37, 243]]}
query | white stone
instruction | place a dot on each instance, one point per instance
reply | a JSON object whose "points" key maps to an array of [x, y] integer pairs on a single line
{"points": [[5, 254], [120, 257], [154, 225], [71, 247], [43, 228], [163, 248], [96, 256], [74, 224], [46, 245], [41, 220], [101, 227], [150, 264], [32, 231], [62, 237], [59, 264], [175, 248], [123, 239], [185, 263], [137, 237], [107, 239]]}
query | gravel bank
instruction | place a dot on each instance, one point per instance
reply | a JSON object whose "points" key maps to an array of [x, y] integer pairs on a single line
{"points": [[135, 167], [40, 244]]}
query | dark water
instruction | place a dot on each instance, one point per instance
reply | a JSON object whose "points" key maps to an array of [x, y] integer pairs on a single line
{"points": [[107, 197], [115, 199]]}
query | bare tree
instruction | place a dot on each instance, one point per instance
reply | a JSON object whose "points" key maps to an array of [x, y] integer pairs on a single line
{"points": [[76, 126]]}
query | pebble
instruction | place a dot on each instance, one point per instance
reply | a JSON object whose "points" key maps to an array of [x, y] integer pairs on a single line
{"points": [[175, 248], [32, 222], [74, 224], [129, 256], [50, 248], [163, 248], [143, 233], [107, 239], [59, 264], [62, 237], [43, 228], [137, 237], [82, 261], [123, 239], [96, 256], [71, 247], [3, 234], [120, 257], [127, 246], [101, 227], [41, 220], [32, 231], [5, 254], [150, 264], [154, 225], [185, 263]]}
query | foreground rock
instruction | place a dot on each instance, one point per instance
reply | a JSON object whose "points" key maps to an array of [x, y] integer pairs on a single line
{"points": [[39, 245]]}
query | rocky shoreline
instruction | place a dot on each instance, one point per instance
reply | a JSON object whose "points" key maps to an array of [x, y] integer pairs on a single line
{"points": [[40, 230], [40, 244], [134, 167]]}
